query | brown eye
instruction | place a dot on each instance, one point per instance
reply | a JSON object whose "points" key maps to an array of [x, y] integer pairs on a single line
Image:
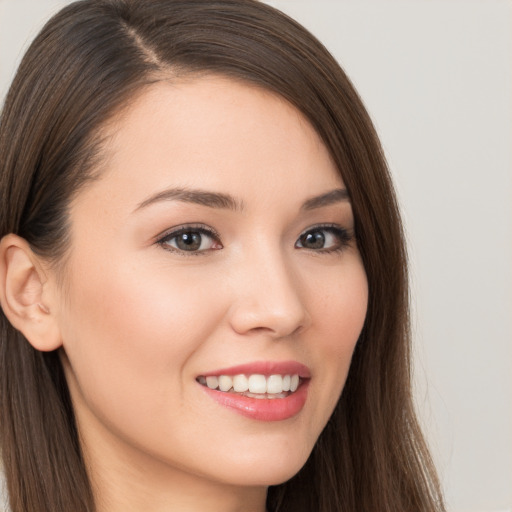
{"points": [[313, 240], [190, 240], [324, 239]]}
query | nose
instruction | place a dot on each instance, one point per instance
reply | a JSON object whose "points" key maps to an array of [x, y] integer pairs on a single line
{"points": [[268, 298]]}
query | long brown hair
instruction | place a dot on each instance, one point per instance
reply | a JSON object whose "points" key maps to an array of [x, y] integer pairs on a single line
{"points": [[86, 65]]}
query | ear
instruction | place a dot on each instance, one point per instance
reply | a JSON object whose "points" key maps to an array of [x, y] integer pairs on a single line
{"points": [[26, 295]]}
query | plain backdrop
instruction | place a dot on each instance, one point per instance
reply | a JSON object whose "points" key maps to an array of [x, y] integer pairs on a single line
{"points": [[436, 76]]}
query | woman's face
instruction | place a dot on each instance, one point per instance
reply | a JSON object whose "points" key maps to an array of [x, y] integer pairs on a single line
{"points": [[218, 242]]}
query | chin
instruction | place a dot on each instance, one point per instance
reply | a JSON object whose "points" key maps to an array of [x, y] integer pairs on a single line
{"points": [[274, 469]]}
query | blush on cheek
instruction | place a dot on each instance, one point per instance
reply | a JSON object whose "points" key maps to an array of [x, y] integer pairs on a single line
{"points": [[131, 335]]}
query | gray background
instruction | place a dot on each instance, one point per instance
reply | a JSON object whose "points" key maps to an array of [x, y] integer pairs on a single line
{"points": [[436, 77]]}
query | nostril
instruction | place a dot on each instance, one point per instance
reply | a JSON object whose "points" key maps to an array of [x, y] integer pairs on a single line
{"points": [[278, 330]]}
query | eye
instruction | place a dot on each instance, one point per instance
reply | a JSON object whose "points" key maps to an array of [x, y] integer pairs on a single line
{"points": [[191, 239], [324, 239]]}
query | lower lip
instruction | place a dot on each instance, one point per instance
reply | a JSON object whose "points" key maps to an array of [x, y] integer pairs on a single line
{"points": [[263, 409]]}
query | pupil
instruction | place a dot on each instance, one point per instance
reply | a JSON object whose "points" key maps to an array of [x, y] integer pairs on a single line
{"points": [[189, 241], [315, 240]]}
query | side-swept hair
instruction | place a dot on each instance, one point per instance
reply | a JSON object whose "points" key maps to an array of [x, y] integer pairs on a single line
{"points": [[84, 67]]}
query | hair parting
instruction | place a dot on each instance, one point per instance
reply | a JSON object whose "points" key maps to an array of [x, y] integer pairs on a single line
{"points": [[87, 65]]}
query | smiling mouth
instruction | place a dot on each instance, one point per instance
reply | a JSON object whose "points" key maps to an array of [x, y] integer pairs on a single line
{"points": [[254, 385]]}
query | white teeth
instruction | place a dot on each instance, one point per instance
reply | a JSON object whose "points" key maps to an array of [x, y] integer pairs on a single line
{"points": [[275, 384], [212, 382], [294, 383], [225, 383], [240, 383], [257, 384]]}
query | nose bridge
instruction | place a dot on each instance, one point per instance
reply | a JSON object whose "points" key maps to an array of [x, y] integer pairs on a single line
{"points": [[268, 297]]}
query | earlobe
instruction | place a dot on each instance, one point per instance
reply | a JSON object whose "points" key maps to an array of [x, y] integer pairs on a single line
{"points": [[24, 294]]}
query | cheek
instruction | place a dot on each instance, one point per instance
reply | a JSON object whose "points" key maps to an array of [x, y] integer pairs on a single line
{"points": [[338, 307], [128, 334], [344, 315], [338, 315]]}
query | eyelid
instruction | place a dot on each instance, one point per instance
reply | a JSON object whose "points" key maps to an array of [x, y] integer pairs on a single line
{"points": [[175, 231], [345, 235]]}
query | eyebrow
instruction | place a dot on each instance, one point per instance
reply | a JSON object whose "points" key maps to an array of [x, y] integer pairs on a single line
{"points": [[226, 201], [201, 197], [332, 197]]}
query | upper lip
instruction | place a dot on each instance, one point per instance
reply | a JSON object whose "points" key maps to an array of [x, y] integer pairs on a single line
{"points": [[264, 368]]}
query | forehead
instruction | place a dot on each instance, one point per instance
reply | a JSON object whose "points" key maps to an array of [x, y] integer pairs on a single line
{"points": [[215, 133]]}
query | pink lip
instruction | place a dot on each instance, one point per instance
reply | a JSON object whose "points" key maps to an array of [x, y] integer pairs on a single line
{"points": [[263, 409], [265, 368]]}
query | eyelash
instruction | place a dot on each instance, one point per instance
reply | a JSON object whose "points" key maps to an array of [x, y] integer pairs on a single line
{"points": [[192, 228], [343, 236]]}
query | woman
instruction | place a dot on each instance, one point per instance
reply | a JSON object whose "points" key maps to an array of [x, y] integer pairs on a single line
{"points": [[203, 277]]}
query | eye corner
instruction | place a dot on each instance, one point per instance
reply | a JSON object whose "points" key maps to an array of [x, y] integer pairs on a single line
{"points": [[333, 238], [198, 239]]}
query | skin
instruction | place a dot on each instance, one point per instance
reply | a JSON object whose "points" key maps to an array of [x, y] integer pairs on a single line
{"points": [[139, 320]]}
